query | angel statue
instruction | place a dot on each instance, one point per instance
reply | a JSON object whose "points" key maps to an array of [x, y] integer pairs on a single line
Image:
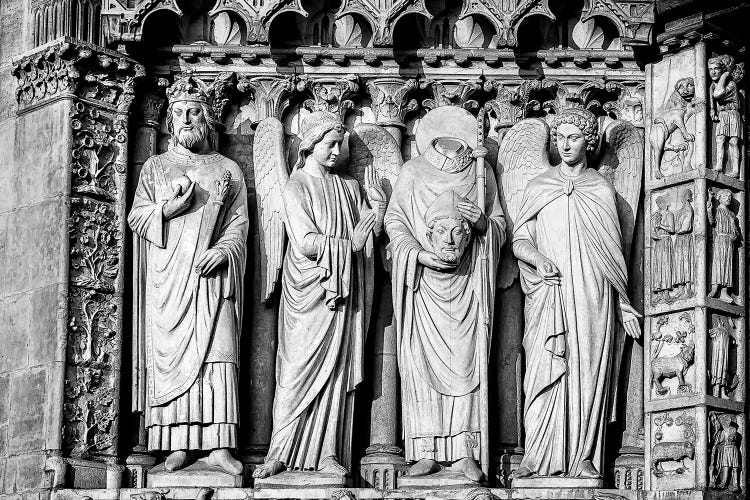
{"points": [[326, 290], [190, 224], [445, 243], [571, 227]]}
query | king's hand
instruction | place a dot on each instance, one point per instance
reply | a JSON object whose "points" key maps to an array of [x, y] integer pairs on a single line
{"points": [[179, 202]]}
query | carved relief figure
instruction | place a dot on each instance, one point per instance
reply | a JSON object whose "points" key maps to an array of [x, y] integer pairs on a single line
{"points": [[725, 454], [684, 249], [445, 252], [726, 110], [662, 254], [325, 294], [672, 366], [673, 115], [568, 240], [726, 230], [721, 339], [190, 222]]}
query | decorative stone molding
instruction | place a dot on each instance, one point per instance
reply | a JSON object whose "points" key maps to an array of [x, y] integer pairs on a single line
{"points": [[270, 94]]}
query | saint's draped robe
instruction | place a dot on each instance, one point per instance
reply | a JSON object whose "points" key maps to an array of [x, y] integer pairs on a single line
{"points": [[571, 335], [187, 326], [443, 319], [326, 290]]}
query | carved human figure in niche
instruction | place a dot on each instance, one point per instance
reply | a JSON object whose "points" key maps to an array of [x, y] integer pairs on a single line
{"points": [[675, 112], [726, 110], [725, 454], [662, 253], [326, 290], [568, 241], [445, 251], [726, 230], [684, 248], [189, 217], [721, 339]]}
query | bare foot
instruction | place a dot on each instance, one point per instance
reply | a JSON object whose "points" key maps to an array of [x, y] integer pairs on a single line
{"points": [[222, 458], [522, 471], [176, 460], [725, 297], [268, 469], [588, 470], [424, 467], [468, 466], [331, 465]]}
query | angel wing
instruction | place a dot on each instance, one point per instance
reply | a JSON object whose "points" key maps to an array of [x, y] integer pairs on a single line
{"points": [[271, 175], [371, 144], [622, 164], [523, 155]]}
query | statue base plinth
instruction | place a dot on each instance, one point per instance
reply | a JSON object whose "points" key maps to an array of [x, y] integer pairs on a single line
{"points": [[443, 480], [196, 475], [556, 482], [302, 479], [381, 470]]}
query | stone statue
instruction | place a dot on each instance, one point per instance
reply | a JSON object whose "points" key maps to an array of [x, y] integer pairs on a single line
{"points": [[190, 224], [445, 251], [662, 253], [726, 230], [326, 290], [673, 115], [725, 454], [684, 248], [721, 338], [568, 226], [726, 111]]}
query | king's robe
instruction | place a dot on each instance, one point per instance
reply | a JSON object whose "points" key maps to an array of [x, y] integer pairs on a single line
{"points": [[187, 326], [571, 336], [443, 318]]}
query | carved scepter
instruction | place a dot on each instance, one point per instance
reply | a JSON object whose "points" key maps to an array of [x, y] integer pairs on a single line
{"points": [[479, 153], [209, 224]]}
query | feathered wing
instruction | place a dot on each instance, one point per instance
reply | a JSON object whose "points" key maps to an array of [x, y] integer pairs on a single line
{"points": [[523, 155], [371, 144], [271, 174], [622, 164]]}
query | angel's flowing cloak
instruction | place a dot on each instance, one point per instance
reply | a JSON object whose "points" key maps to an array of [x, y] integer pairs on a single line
{"points": [[571, 328], [443, 319], [187, 326], [326, 288]]}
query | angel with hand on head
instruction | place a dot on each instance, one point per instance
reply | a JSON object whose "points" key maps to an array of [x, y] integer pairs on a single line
{"points": [[326, 285], [572, 225]]}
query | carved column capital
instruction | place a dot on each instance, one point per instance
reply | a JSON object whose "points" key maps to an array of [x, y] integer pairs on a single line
{"points": [[391, 100], [72, 68], [270, 94], [330, 94], [447, 93]]}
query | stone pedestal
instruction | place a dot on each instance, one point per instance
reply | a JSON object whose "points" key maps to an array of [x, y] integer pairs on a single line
{"points": [[556, 482], [446, 479], [299, 480], [196, 475]]}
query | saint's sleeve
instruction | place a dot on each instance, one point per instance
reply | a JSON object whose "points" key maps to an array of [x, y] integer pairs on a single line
{"points": [[146, 218]]}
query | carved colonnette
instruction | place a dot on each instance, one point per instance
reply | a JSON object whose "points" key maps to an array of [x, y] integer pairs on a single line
{"points": [[96, 88], [695, 297]]}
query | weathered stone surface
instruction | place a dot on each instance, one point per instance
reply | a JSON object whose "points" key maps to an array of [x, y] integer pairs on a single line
{"points": [[14, 316], [46, 329], [198, 475], [33, 255], [4, 397], [24, 472], [13, 29], [27, 411]]}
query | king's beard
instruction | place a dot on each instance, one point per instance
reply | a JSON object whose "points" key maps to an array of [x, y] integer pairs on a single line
{"points": [[192, 137]]}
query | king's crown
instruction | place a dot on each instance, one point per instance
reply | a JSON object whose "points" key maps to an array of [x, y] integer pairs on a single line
{"points": [[188, 88]]}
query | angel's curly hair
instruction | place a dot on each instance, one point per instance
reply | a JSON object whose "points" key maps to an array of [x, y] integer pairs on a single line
{"points": [[584, 120]]}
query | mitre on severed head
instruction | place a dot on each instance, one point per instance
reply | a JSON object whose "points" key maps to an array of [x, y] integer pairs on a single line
{"points": [[444, 207], [187, 88]]}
